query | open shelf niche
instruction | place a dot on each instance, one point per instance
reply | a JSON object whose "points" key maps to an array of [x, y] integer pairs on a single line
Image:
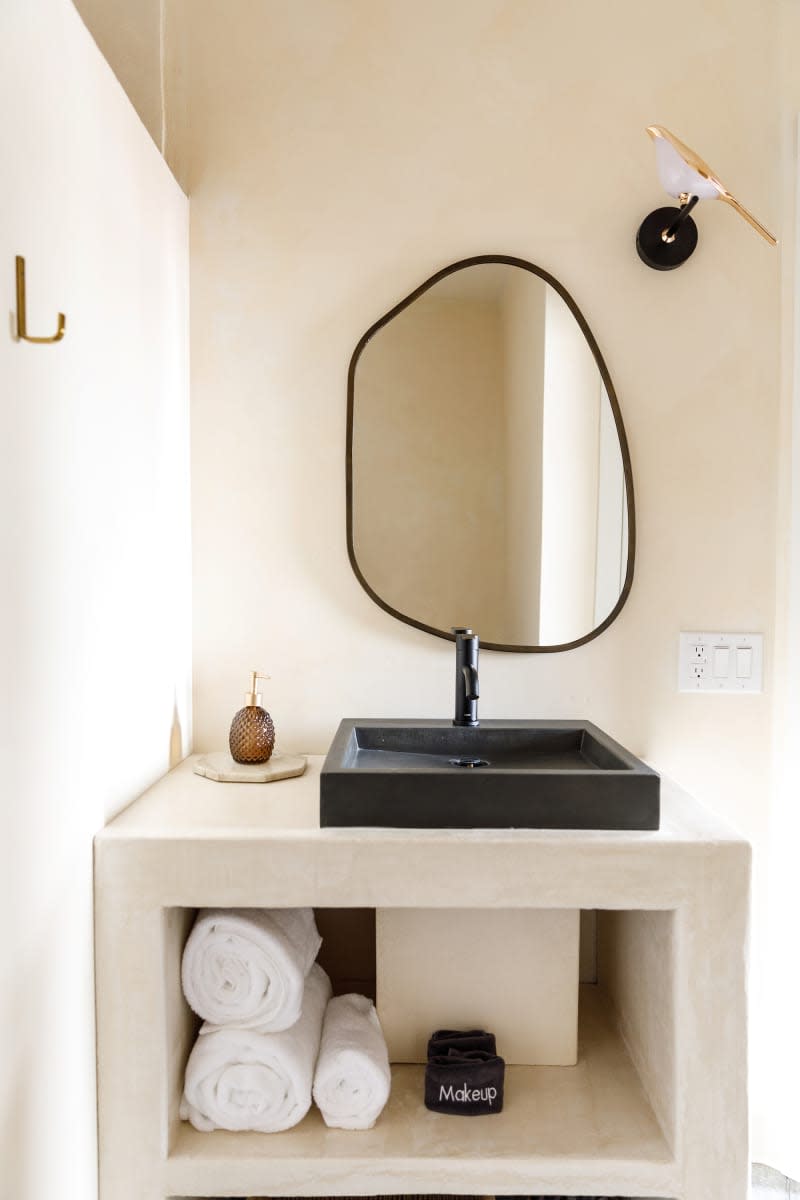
{"points": [[561, 1123]]}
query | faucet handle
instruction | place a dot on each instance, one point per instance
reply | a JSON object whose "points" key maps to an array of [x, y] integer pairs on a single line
{"points": [[461, 631]]}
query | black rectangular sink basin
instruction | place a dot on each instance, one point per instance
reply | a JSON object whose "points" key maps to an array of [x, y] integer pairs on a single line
{"points": [[500, 775]]}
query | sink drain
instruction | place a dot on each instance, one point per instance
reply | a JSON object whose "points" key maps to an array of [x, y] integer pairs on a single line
{"points": [[469, 762]]}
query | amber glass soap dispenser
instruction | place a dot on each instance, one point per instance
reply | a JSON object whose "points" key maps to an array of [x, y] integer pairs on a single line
{"points": [[252, 736]]}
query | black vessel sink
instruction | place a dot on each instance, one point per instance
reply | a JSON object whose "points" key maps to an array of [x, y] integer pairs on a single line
{"points": [[500, 775]]}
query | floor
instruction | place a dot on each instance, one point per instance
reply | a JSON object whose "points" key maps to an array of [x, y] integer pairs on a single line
{"points": [[767, 1185], [771, 1185]]}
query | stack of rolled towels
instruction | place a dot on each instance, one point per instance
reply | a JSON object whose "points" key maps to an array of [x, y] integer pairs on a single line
{"points": [[272, 1036]]}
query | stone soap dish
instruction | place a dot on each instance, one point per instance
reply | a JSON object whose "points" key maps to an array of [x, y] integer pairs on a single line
{"points": [[224, 769]]}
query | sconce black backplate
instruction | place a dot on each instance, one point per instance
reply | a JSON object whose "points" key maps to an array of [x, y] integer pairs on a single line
{"points": [[661, 255]]}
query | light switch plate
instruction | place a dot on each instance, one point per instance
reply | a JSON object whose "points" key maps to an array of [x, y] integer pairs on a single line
{"points": [[721, 662]]}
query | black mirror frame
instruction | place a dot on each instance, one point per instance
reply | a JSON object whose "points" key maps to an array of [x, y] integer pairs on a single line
{"points": [[508, 260]]}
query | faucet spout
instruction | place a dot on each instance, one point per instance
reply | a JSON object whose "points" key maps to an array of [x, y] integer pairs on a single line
{"points": [[470, 682], [467, 688]]}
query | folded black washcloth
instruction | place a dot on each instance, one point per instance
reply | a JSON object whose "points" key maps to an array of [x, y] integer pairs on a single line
{"points": [[468, 1084], [444, 1040]]}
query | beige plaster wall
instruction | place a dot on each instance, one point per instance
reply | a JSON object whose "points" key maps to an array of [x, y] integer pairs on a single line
{"points": [[322, 190], [148, 56], [339, 153], [128, 36], [95, 606], [777, 1064]]}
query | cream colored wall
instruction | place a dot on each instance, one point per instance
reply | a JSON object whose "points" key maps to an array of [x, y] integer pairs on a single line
{"points": [[129, 35], [335, 163], [95, 617], [149, 60], [777, 1064], [429, 490]]}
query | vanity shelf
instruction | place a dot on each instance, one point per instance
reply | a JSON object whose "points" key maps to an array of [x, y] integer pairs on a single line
{"points": [[655, 1107], [561, 1122]]}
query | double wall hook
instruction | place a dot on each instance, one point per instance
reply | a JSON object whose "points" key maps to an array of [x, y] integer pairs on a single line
{"points": [[22, 318]]}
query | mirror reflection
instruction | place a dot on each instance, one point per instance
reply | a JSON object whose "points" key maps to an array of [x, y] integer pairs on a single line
{"points": [[488, 471]]}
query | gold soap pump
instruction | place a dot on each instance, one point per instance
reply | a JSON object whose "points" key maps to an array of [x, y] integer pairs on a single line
{"points": [[252, 736]]}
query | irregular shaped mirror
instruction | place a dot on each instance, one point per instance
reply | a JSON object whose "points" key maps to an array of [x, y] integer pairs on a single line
{"points": [[488, 475]]}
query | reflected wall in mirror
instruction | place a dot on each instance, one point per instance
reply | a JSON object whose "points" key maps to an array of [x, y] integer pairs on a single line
{"points": [[488, 475]]}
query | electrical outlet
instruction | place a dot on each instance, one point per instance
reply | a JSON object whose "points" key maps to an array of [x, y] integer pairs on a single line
{"points": [[720, 662]]}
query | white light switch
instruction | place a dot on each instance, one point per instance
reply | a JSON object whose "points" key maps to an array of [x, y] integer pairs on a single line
{"points": [[720, 662], [744, 662]]}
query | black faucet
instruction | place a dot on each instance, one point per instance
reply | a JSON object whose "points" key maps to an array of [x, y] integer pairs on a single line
{"points": [[466, 677]]}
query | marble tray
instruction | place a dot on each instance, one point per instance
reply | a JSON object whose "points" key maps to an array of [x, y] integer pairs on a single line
{"points": [[221, 767]]}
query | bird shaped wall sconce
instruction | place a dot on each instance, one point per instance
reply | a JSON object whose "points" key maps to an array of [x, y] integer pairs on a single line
{"points": [[668, 236]]}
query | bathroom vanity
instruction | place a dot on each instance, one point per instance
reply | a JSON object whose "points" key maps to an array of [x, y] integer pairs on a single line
{"points": [[656, 1105]]}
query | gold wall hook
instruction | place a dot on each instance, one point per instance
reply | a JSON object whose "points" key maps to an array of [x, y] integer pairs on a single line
{"points": [[22, 319]]}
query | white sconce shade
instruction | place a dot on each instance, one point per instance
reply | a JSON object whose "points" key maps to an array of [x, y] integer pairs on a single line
{"points": [[677, 176]]}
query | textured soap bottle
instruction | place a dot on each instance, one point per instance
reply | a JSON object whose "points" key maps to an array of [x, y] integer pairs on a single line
{"points": [[252, 736]]}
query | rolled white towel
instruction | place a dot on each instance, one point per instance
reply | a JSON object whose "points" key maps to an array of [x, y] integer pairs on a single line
{"points": [[352, 1080], [245, 968], [242, 1079]]}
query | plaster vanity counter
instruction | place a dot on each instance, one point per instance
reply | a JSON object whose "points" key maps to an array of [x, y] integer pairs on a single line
{"points": [[656, 1106]]}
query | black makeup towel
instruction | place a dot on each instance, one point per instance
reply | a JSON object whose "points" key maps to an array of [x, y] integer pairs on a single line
{"points": [[465, 1085], [444, 1040]]}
